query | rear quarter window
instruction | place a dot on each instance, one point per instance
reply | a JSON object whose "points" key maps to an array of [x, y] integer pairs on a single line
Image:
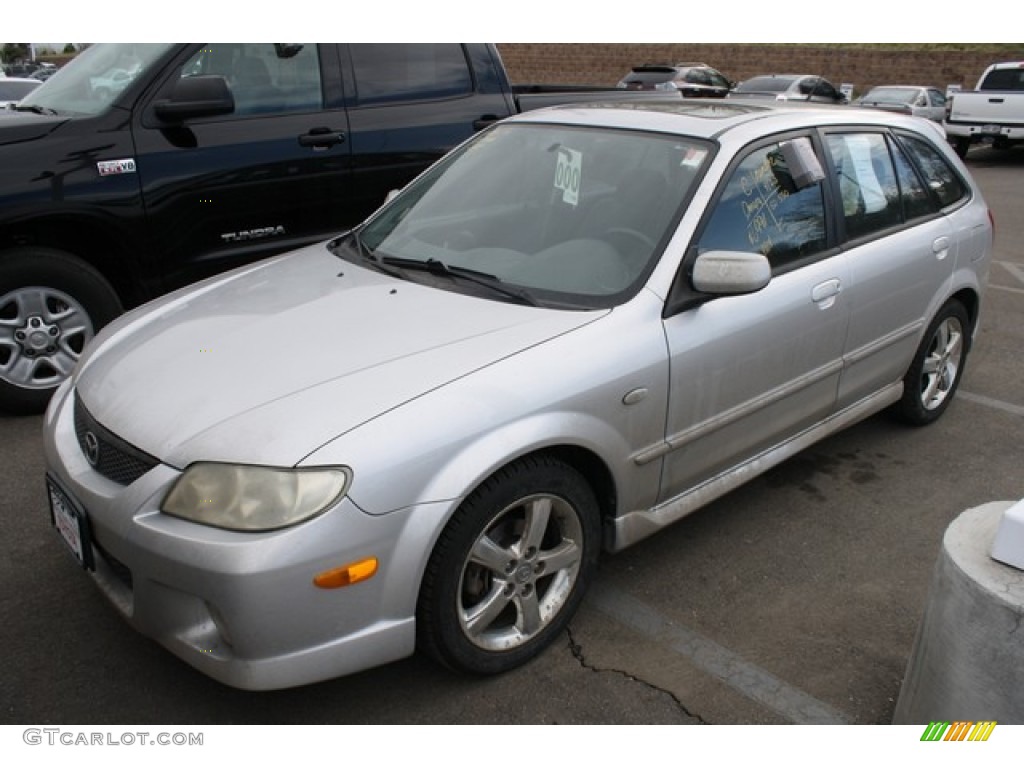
{"points": [[941, 179]]}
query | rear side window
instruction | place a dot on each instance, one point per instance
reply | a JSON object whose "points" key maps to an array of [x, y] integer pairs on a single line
{"points": [[916, 199], [389, 72], [942, 180], [867, 183]]}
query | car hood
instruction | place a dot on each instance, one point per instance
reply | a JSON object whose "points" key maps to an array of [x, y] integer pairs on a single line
{"points": [[16, 127], [268, 363]]}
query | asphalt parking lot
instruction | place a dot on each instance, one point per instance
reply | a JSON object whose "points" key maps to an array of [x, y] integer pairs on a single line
{"points": [[792, 600]]}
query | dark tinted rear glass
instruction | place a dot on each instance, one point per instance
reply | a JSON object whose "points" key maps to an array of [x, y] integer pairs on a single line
{"points": [[773, 84], [650, 75], [1004, 80]]}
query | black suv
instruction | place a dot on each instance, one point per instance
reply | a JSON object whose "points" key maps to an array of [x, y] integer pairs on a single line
{"points": [[691, 80]]}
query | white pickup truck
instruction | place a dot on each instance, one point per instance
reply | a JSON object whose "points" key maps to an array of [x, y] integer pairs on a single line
{"points": [[993, 111]]}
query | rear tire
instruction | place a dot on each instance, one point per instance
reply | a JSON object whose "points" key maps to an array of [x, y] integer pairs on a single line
{"points": [[934, 375], [509, 570], [51, 305], [960, 146]]}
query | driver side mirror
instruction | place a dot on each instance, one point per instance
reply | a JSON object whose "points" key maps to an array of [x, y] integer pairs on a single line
{"points": [[730, 273], [197, 96]]}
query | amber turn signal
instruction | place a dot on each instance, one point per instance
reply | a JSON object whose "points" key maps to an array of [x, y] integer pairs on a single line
{"points": [[346, 575]]}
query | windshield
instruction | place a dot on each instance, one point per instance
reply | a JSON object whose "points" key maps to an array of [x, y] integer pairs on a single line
{"points": [[572, 216], [89, 84]]}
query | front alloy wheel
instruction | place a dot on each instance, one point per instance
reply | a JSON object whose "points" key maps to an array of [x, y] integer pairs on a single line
{"points": [[510, 568]]}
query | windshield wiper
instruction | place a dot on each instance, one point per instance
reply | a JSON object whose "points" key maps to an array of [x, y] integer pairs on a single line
{"points": [[439, 268], [35, 108], [367, 256]]}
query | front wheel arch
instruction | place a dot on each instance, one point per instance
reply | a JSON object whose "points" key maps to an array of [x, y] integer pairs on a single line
{"points": [[510, 567]]}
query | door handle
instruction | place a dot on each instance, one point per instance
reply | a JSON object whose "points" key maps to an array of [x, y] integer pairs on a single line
{"points": [[824, 294], [321, 138]]}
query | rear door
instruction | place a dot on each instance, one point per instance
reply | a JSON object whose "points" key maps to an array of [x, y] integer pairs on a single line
{"points": [[901, 251], [408, 104], [224, 190]]}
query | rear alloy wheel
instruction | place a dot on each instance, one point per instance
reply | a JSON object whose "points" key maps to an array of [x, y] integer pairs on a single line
{"points": [[51, 305], [934, 375], [510, 568]]}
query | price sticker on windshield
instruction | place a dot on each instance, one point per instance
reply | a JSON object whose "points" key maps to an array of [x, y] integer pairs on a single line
{"points": [[568, 173]]}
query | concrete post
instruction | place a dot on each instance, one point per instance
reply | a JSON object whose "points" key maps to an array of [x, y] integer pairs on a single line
{"points": [[967, 663]]}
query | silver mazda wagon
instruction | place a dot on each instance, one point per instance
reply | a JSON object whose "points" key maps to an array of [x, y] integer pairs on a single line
{"points": [[575, 329]]}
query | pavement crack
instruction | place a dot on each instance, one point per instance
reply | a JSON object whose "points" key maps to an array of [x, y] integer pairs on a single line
{"points": [[577, 651]]}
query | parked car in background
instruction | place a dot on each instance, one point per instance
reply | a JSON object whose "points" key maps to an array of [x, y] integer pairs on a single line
{"points": [[14, 89], [789, 88], [919, 100], [575, 329], [992, 112], [144, 166], [690, 80]]}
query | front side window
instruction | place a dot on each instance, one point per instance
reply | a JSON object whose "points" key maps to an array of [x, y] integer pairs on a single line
{"points": [[398, 72], [265, 78], [761, 209]]}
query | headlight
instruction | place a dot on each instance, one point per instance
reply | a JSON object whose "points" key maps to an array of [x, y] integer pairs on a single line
{"points": [[250, 498]]}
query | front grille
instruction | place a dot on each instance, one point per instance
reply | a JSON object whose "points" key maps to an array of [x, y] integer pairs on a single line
{"points": [[109, 455]]}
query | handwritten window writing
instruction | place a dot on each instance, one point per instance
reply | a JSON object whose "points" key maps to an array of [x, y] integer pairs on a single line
{"points": [[761, 211]]}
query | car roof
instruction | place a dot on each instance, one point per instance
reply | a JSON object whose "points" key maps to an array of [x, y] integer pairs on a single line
{"points": [[700, 118]]}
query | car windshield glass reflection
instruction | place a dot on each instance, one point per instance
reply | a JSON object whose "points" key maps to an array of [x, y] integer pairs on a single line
{"points": [[90, 83], [574, 216]]}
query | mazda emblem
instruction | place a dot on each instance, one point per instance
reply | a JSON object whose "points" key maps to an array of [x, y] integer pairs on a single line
{"points": [[92, 448]]}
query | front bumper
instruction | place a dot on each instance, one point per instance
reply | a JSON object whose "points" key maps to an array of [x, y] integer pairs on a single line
{"points": [[242, 607]]}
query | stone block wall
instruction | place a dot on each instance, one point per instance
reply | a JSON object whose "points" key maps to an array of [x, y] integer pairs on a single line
{"points": [[606, 63]]}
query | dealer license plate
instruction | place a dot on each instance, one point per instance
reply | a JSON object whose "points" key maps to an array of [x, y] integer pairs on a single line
{"points": [[71, 523]]}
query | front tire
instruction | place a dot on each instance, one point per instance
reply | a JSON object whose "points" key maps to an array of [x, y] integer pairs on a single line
{"points": [[51, 305], [938, 365], [510, 569]]}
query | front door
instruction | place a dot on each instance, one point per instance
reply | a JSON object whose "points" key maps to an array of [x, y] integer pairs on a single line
{"points": [[749, 372], [221, 191]]}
